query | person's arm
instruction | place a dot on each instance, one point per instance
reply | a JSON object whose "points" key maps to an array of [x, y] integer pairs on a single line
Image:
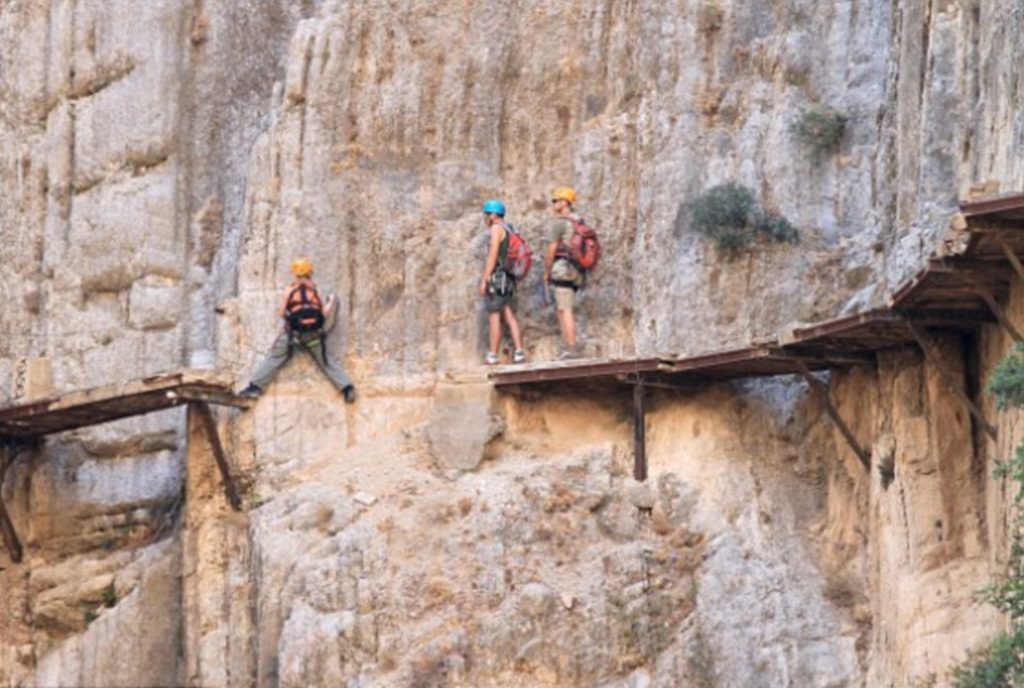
{"points": [[283, 310], [492, 258], [330, 306], [549, 260]]}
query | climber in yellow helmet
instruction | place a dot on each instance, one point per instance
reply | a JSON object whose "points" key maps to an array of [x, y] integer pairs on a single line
{"points": [[304, 315], [559, 268]]}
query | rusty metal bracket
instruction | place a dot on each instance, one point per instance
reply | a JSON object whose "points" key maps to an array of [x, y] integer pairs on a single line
{"points": [[639, 430], [933, 358], [821, 391], [993, 305], [206, 419], [10, 536]]}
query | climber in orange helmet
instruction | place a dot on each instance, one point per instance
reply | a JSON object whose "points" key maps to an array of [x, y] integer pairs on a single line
{"points": [[304, 315]]}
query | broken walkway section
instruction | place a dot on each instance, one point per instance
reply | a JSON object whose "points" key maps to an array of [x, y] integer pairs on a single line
{"points": [[25, 424]]}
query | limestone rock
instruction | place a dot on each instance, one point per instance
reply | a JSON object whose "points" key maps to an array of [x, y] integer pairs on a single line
{"points": [[461, 425]]}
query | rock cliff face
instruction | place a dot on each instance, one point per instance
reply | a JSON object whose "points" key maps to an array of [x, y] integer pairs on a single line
{"points": [[162, 162]]}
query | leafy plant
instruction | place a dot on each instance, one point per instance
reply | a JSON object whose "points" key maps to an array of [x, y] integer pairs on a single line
{"points": [[1007, 382], [1000, 666], [1002, 663], [819, 131], [729, 214]]}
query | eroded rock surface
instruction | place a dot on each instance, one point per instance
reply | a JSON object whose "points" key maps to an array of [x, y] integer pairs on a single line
{"points": [[162, 162]]}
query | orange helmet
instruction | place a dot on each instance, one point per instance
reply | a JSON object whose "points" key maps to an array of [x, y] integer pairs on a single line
{"points": [[564, 193], [302, 267]]}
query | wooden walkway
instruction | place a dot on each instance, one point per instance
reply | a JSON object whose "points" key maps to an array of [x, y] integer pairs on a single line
{"points": [[962, 287], [27, 423]]}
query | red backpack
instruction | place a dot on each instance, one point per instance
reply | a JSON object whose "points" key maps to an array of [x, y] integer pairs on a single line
{"points": [[584, 248], [518, 256], [303, 309]]}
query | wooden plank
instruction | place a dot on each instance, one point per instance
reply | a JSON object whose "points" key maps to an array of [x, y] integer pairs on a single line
{"points": [[933, 358], [993, 206], [205, 415], [113, 402], [826, 400], [639, 431], [574, 370]]}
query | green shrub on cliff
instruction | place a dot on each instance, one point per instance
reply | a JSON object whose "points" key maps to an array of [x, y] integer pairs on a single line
{"points": [[1002, 663], [819, 131], [729, 214], [1007, 383]]}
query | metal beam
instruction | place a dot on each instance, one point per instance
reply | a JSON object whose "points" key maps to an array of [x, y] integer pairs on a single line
{"points": [[993, 305], [823, 395], [933, 358], [639, 431], [10, 536], [205, 415]]}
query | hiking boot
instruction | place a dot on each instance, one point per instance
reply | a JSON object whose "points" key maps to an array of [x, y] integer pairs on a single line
{"points": [[349, 392], [519, 356], [251, 392], [491, 359]]}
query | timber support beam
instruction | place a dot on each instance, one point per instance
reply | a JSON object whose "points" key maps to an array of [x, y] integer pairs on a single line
{"points": [[202, 412], [639, 429], [10, 536], [821, 390], [933, 359], [990, 300]]}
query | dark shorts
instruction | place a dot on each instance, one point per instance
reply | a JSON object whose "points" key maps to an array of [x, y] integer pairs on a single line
{"points": [[496, 302], [498, 298]]}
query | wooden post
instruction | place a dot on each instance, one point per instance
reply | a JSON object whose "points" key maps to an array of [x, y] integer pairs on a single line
{"points": [[10, 536], [1010, 255], [997, 310], [932, 358], [821, 391], [209, 424], [639, 431]]}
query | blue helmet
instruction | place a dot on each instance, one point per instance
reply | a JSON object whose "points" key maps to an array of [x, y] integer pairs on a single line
{"points": [[495, 206]]}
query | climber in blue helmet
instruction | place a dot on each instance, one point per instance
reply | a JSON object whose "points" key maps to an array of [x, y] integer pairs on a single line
{"points": [[498, 286]]}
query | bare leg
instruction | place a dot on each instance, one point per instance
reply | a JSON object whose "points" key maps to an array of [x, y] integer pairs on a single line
{"points": [[513, 327], [494, 322], [567, 323]]}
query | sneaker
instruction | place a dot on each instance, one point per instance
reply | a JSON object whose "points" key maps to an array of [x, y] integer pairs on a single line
{"points": [[519, 356], [491, 359], [568, 355], [349, 393], [251, 392]]}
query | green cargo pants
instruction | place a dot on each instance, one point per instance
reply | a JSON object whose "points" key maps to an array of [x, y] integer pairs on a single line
{"points": [[282, 350]]}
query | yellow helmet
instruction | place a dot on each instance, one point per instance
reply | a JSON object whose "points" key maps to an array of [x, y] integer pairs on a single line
{"points": [[302, 267], [564, 193]]}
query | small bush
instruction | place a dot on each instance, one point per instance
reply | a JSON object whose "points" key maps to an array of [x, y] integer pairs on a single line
{"points": [[1002, 663], [779, 228], [998, 667], [729, 214], [1007, 382], [819, 131]]}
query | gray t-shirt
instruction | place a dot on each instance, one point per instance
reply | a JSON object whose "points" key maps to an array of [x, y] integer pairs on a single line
{"points": [[560, 229]]}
